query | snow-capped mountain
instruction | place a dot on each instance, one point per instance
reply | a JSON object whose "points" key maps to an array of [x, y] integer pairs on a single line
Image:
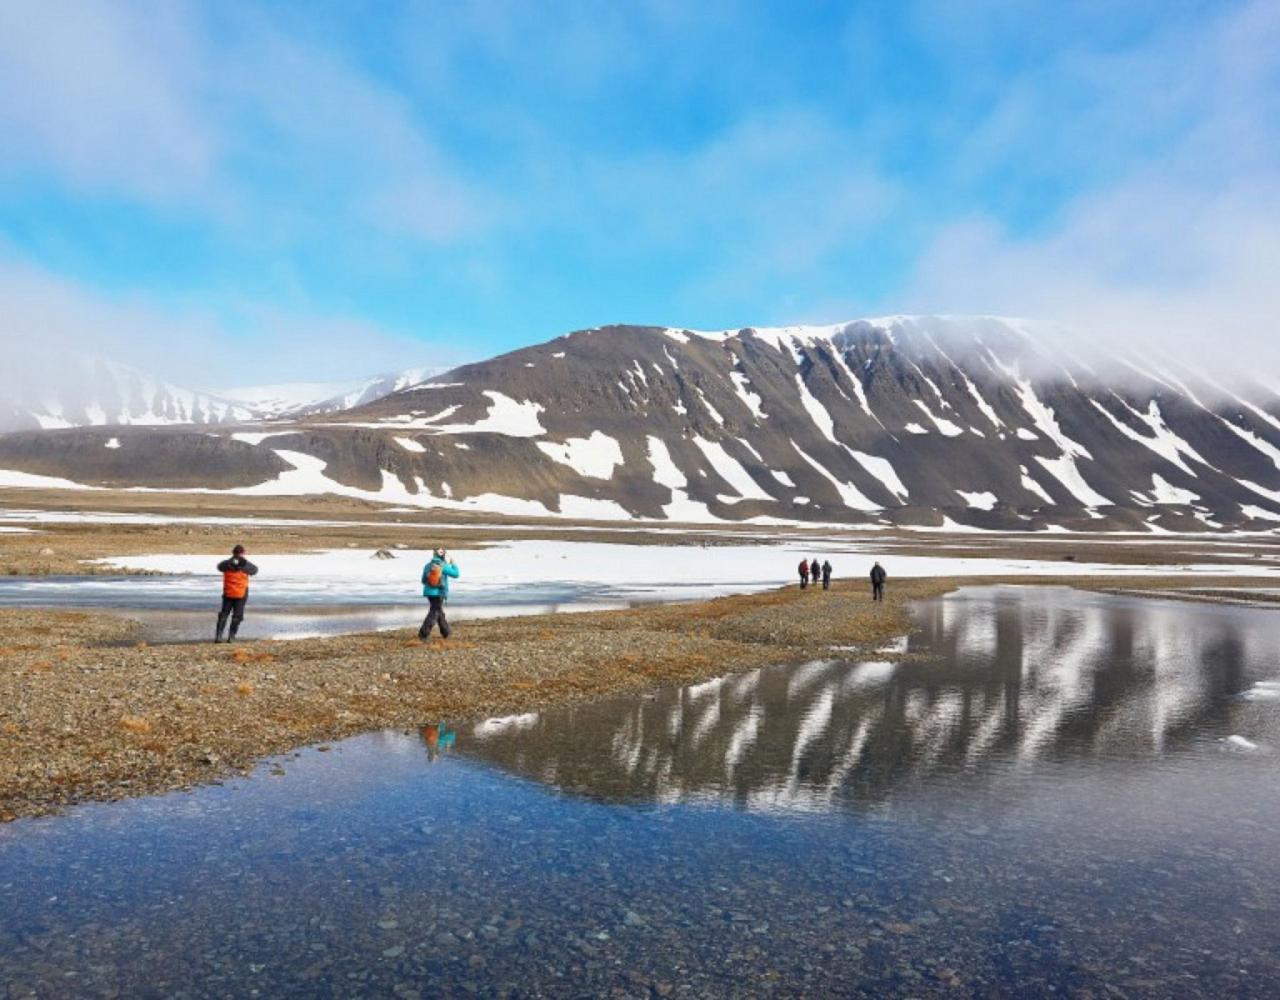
{"points": [[297, 399], [79, 391], [82, 391], [960, 421]]}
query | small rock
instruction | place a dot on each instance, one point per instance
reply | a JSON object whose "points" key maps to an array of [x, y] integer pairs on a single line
{"points": [[394, 952]]}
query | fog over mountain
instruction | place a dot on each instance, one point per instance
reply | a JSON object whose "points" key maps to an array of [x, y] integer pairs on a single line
{"points": [[47, 390]]}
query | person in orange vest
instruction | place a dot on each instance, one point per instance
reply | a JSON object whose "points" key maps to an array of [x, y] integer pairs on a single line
{"points": [[235, 591]]}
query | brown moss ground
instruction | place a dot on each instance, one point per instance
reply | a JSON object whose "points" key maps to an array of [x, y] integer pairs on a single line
{"points": [[83, 720]]}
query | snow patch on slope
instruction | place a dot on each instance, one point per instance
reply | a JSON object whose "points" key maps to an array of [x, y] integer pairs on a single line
{"points": [[1064, 470], [882, 469], [818, 413], [850, 496], [506, 416], [730, 470], [1266, 447], [1032, 486], [748, 397], [947, 427], [595, 456], [1162, 441], [1162, 491], [982, 500], [29, 480], [666, 473]]}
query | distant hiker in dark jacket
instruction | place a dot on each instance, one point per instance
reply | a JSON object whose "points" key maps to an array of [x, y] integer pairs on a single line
{"points": [[815, 570], [235, 591], [878, 576], [804, 573], [826, 575], [435, 588]]}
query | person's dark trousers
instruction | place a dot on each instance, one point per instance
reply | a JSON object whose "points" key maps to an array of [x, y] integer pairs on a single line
{"points": [[436, 614], [826, 582], [804, 582], [233, 608], [877, 591]]}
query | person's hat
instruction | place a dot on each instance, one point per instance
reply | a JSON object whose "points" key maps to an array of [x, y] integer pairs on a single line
{"points": [[238, 550]]}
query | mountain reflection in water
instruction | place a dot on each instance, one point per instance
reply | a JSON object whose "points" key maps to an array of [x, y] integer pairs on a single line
{"points": [[1043, 800], [996, 679]]}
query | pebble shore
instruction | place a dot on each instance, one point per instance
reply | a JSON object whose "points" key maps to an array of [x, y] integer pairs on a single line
{"points": [[89, 713]]}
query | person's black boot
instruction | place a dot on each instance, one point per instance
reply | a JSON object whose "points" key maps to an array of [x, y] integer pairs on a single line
{"points": [[231, 636], [217, 636]]}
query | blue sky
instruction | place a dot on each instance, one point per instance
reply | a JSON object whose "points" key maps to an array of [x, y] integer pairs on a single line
{"points": [[235, 192]]}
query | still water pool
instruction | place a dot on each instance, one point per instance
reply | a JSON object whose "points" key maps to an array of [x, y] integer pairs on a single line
{"points": [[1056, 794]]}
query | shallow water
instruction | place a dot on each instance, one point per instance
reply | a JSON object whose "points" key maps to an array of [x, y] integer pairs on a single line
{"points": [[173, 609], [1048, 802]]}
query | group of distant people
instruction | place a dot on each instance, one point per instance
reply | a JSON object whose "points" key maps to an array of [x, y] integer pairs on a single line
{"points": [[436, 575], [815, 571], [820, 572]]}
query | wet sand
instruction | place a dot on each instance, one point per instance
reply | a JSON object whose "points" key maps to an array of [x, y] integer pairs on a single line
{"points": [[84, 715]]}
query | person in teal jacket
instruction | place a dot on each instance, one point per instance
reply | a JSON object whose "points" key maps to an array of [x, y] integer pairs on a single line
{"points": [[435, 588]]}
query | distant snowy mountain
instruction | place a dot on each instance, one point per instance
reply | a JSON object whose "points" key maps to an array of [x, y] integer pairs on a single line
{"points": [[80, 391], [957, 422], [297, 399]]}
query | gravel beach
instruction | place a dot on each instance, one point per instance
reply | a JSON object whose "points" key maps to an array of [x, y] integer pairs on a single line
{"points": [[89, 713]]}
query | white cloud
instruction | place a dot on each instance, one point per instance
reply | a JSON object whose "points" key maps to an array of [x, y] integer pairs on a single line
{"points": [[192, 345], [223, 114], [101, 94], [1175, 252]]}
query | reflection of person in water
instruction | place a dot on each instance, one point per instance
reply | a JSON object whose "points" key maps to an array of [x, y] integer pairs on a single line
{"points": [[438, 737]]}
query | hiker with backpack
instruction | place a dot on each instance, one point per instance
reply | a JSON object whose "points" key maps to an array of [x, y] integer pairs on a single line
{"points": [[804, 573], [826, 575], [235, 592], [435, 588]]}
